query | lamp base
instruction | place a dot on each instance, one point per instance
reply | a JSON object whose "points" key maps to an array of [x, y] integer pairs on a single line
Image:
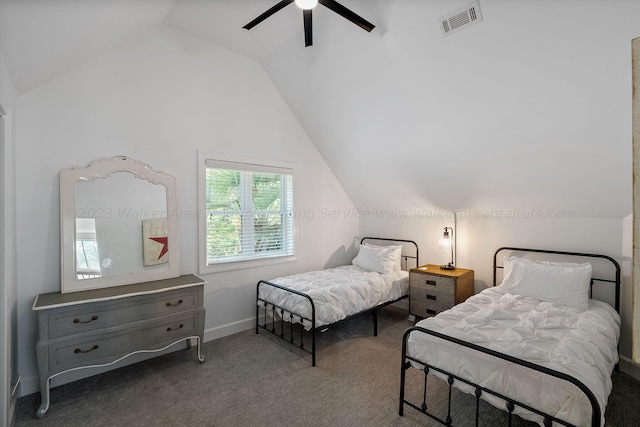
{"points": [[448, 267]]}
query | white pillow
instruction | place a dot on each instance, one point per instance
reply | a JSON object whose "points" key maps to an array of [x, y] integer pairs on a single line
{"points": [[383, 259], [560, 282], [397, 253]]}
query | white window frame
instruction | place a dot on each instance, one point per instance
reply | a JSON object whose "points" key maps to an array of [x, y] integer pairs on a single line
{"points": [[249, 164]]}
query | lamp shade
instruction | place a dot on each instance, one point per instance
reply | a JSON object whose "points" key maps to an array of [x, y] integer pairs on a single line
{"points": [[446, 241]]}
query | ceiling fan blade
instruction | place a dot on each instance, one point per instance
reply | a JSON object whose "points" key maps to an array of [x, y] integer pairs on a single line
{"points": [[348, 14], [268, 13], [308, 27]]}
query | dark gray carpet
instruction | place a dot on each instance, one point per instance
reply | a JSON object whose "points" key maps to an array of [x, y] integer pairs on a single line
{"points": [[255, 380]]}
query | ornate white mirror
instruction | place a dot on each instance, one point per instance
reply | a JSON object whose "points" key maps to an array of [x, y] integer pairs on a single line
{"points": [[119, 225]]}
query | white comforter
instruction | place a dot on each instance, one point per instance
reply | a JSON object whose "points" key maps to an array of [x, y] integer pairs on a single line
{"points": [[581, 343], [336, 292]]}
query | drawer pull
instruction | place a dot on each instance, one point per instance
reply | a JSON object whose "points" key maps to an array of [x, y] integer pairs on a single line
{"points": [[169, 329], [77, 350], [431, 282], [174, 305], [429, 311], [76, 320], [431, 297]]}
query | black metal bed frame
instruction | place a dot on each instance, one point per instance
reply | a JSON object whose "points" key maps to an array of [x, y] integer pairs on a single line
{"points": [[292, 321], [510, 403]]}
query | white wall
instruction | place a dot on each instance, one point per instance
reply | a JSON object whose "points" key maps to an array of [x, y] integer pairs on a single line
{"points": [[8, 273], [530, 107], [160, 98]]}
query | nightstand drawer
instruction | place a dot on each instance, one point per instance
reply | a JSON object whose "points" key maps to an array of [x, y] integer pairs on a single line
{"points": [[438, 299], [432, 283], [433, 290], [428, 309]]}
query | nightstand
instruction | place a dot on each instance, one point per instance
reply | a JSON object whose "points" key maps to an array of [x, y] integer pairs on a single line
{"points": [[433, 290]]}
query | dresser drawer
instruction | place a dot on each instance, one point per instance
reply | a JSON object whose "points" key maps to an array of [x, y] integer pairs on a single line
{"points": [[91, 317], [110, 345]]}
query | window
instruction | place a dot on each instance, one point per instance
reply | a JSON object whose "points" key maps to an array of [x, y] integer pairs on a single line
{"points": [[87, 259], [248, 212]]}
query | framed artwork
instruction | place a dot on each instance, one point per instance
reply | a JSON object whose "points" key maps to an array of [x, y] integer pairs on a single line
{"points": [[155, 244]]}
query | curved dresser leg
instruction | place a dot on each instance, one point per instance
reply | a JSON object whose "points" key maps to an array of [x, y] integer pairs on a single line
{"points": [[201, 357], [44, 377], [44, 397]]}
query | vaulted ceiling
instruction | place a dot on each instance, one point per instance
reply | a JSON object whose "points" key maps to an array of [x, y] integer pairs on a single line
{"points": [[529, 110]]}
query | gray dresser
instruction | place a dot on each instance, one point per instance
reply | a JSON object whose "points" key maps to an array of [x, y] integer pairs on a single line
{"points": [[103, 326]]}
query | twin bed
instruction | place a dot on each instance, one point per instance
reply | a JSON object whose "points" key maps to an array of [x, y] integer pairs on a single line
{"points": [[295, 307], [540, 345]]}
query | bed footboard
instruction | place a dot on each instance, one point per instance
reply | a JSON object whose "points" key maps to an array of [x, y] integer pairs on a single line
{"points": [[293, 319], [510, 403]]}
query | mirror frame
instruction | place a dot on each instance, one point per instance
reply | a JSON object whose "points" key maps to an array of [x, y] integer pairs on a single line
{"points": [[102, 169]]}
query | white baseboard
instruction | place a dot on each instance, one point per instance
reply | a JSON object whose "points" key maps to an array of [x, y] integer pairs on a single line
{"points": [[250, 323], [29, 386], [13, 402], [229, 329], [628, 367]]}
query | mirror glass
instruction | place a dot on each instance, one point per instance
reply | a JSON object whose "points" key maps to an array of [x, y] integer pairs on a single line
{"points": [[118, 225]]}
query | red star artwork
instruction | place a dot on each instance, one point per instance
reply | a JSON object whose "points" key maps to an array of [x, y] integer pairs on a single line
{"points": [[165, 243]]}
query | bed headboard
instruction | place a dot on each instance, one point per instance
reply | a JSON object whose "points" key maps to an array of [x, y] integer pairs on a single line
{"points": [[410, 249], [609, 268]]}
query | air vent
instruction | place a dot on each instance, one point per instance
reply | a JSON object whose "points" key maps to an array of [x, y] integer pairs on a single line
{"points": [[460, 19]]}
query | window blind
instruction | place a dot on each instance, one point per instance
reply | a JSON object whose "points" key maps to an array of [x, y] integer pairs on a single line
{"points": [[249, 211]]}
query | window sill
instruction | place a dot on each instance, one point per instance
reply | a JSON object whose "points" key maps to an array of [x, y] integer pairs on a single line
{"points": [[241, 265]]}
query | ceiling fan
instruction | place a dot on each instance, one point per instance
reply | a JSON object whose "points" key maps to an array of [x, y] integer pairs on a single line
{"points": [[307, 6]]}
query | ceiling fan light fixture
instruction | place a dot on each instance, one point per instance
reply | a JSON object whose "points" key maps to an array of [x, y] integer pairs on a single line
{"points": [[306, 4]]}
